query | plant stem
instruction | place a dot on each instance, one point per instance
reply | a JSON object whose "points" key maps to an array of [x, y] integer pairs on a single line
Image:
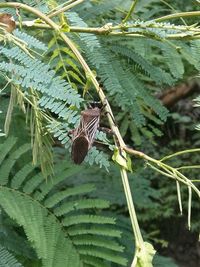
{"points": [[60, 6], [188, 167], [65, 8], [133, 217], [106, 30], [130, 11], [166, 169], [189, 206], [178, 15], [181, 153]]}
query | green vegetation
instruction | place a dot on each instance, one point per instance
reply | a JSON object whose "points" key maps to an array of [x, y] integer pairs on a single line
{"points": [[127, 54]]}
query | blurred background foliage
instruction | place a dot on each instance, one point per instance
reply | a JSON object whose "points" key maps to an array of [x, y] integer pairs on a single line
{"points": [[151, 123]]}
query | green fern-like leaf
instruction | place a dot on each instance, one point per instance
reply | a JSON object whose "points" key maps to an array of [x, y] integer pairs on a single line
{"points": [[14, 241], [104, 254], [30, 40], [59, 223], [6, 147], [93, 219], [56, 198], [125, 87], [33, 183], [44, 231], [10, 161], [21, 175], [93, 230], [173, 61], [7, 259], [79, 205], [157, 74], [99, 242]]}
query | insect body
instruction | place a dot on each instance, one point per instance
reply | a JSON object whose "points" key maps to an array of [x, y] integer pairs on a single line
{"points": [[83, 136]]}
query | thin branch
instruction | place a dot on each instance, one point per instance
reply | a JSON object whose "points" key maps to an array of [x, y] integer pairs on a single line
{"points": [[188, 167], [178, 15], [130, 11], [179, 197], [124, 30], [189, 206], [65, 8], [181, 153], [173, 9], [133, 217], [60, 6], [163, 168]]}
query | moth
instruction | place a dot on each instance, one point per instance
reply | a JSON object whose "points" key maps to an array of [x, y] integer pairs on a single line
{"points": [[83, 136]]}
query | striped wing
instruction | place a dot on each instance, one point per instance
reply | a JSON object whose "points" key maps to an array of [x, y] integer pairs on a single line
{"points": [[90, 129], [83, 136], [80, 148]]}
